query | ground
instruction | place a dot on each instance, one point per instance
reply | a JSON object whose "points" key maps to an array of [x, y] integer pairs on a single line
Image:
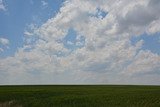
{"points": [[80, 96]]}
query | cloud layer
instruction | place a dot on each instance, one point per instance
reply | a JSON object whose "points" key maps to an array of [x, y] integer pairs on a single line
{"points": [[101, 51]]}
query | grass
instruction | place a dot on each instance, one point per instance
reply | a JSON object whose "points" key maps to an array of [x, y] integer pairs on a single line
{"points": [[81, 96]]}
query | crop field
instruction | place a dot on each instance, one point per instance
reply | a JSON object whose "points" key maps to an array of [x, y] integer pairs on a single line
{"points": [[79, 96]]}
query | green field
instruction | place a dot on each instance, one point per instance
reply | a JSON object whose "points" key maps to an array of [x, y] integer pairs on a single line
{"points": [[80, 96]]}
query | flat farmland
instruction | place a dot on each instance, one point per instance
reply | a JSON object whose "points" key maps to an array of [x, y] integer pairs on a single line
{"points": [[79, 96]]}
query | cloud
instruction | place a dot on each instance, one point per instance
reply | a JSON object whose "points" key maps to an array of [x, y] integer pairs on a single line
{"points": [[44, 3], [1, 50], [159, 40], [27, 33], [2, 6], [142, 63], [3, 44], [138, 18], [4, 41], [104, 52]]}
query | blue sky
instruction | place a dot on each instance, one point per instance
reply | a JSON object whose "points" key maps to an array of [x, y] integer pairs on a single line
{"points": [[19, 15], [79, 41], [151, 42]]}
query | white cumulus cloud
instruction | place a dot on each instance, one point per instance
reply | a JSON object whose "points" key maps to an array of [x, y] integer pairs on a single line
{"points": [[4, 41], [2, 6], [3, 44]]}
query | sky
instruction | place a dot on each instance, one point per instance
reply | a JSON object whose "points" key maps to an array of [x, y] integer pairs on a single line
{"points": [[80, 42]]}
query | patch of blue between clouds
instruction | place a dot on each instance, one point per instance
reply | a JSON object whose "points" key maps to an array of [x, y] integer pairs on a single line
{"points": [[151, 42], [99, 14], [72, 38], [71, 41]]}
